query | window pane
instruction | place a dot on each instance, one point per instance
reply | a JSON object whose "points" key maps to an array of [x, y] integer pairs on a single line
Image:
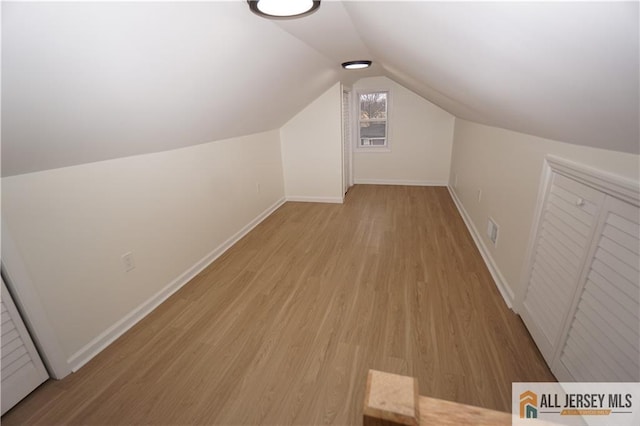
{"points": [[373, 105], [373, 142], [373, 130]]}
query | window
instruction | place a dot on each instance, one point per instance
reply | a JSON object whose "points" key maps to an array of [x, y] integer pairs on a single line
{"points": [[373, 120]]}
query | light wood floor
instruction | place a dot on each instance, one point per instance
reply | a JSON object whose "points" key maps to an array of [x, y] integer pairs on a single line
{"points": [[284, 326]]}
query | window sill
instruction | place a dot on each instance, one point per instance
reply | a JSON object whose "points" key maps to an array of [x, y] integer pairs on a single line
{"points": [[386, 149]]}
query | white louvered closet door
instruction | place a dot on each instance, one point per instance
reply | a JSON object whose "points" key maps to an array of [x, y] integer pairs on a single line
{"points": [[22, 370], [603, 334], [564, 235]]}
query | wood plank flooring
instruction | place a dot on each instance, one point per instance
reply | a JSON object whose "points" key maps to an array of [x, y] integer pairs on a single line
{"points": [[283, 327]]}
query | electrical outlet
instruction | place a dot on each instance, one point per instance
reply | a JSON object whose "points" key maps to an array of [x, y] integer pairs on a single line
{"points": [[479, 194], [257, 188], [455, 180], [492, 232], [128, 263]]}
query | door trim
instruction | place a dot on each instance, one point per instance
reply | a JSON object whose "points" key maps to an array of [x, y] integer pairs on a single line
{"points": [[347, 143], [30, 375], [28, 302]]}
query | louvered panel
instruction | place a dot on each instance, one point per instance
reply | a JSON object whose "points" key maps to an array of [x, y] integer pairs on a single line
{"points": [[13, 352], [546, 263], [625, 240], [14, 355], [10, 346], [579, 371], [552, 313], [569, 220], [627, 226], [619, 307], [545, 282], [21, 368], [626, 303], [570, 208], [539, 287], [589, 206], [534, 298], [551, 244], [553, 256], [551, 281], [564, 233], [610, 347], [584, 275], [616, 280], [565, 236], [607, 318], [619, 252], [564, 247], [548, 314], [608, 321], [10, 334], [591, 356], [9, 370], [556, 226], [623, 269], [7, 328], [587, 357], [576, 189]]}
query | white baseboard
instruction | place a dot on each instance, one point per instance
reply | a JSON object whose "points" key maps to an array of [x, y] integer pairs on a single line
{"points": [[501, 283], [94, 347], [400, 182], [304, 199]]}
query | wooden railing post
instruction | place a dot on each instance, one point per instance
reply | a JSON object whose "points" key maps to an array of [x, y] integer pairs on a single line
{"points": [[391, 400]]}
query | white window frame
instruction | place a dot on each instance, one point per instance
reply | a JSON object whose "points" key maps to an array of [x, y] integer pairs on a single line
{"points": [[372, 148]]}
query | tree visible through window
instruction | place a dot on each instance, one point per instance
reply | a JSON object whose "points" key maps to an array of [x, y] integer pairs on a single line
{"points": [[373, 120]]}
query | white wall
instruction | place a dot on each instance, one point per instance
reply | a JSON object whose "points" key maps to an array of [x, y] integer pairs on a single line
{"points": [[420, 140], [507, 167], [172, 210], [312, 150]]}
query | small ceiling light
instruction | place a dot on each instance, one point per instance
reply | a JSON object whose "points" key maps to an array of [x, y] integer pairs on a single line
{"points": [[356, 65], [281, 9]]}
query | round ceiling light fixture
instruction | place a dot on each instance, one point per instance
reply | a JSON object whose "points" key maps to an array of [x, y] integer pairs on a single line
{"points": [[356, 65], [282, 9]]}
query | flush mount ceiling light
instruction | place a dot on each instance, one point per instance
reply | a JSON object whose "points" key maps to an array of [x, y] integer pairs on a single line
{"points": [[356, 65], [282, 9]]}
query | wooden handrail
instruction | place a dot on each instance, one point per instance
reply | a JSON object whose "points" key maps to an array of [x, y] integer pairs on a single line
{"points": [[393, 400]]}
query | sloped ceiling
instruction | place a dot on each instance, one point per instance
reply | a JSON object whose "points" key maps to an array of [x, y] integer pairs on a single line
{"points": [[88, 82], [564, 71], [84, 82], [330, 31]]}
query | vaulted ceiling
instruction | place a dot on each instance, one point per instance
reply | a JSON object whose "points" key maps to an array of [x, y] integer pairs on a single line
{"points": [[564, 71], [84, 82]]}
